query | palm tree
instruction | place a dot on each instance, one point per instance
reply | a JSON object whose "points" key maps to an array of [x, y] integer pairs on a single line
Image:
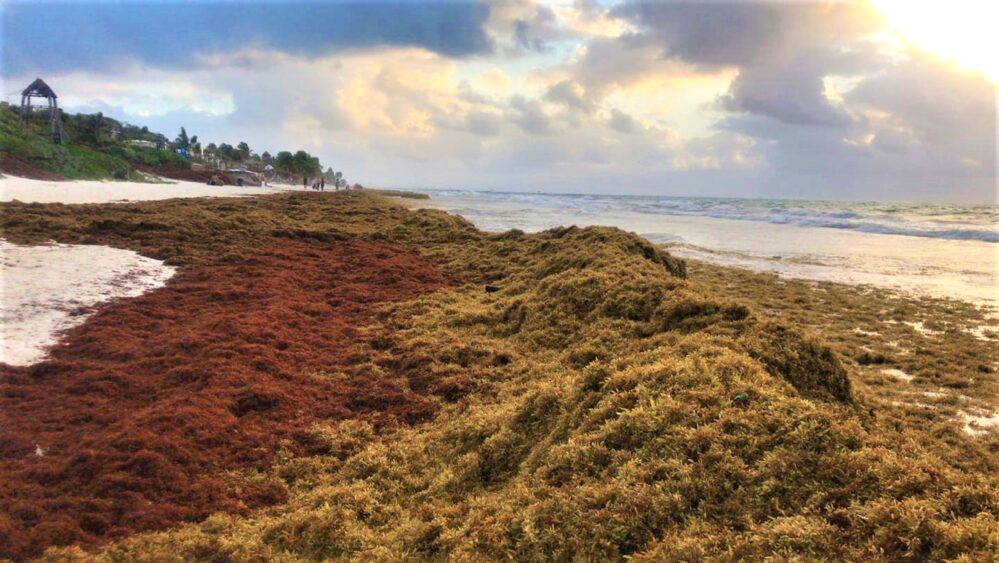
{"points": [[243, 151], [182, 140]]}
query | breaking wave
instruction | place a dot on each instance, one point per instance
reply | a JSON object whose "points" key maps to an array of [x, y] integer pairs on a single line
{"points": [[953, 222]]}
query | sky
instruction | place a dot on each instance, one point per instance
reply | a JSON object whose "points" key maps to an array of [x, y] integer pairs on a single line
{"points": [[879, 100]]}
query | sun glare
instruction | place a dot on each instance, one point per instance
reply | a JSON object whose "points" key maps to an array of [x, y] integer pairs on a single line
{"points": [[963, 31]]}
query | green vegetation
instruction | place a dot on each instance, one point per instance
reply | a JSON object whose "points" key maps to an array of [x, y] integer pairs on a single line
{"points": [[92, 155], [298, 164], [100, 148], [608, 401]]}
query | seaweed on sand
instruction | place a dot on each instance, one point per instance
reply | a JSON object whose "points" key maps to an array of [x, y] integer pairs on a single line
{"points": [[143, 410], [605, 407]]}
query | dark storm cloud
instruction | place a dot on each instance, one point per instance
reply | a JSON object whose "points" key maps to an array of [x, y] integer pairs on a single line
{"points": [[783, 50], [793, 94], [749, 33], [622, 122], [94, 36]]}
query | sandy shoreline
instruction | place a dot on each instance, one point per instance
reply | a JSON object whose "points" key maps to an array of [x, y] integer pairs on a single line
{"points": [[59, 315], [48, 289], [967, 270], [942, 283], [27, 190], [95, 191]]}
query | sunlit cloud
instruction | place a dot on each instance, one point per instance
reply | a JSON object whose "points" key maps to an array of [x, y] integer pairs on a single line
{"points": [[493, 82], [962, 31]]}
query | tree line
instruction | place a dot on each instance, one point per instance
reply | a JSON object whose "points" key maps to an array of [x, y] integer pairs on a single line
{"points": [[285, 163]]}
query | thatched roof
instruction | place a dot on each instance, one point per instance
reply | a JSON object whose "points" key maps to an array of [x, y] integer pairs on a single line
{"points": [[40, 89]]}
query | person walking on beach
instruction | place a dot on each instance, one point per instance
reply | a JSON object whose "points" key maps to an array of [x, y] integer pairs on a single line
{"points": [[305, 183], [322, 184]]}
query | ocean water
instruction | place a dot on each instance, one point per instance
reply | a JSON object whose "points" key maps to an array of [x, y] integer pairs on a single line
{"points": [[931, 249]]}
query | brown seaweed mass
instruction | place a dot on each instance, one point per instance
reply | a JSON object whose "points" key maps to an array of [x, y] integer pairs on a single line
{"points": [[142, 409]]}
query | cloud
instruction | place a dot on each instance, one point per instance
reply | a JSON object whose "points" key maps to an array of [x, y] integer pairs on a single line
{"points": [[588, 18], [923, 129], [530, 115], [783, 50], [106, 37], [606, 64], [907, 124], [621, 122], [524, 26], [749, 34], [572, 95], [520, 27], [793, 94], [941, 103], [493, 82], [483, 123], [401, 116], [738, 98], [145, 92], [942, 115]]}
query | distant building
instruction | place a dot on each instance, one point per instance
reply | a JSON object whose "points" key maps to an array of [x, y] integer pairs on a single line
{"points": [[142, 144]]}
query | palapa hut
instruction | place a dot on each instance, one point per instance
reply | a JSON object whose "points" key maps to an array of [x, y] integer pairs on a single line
{"points": [[39, 89]]}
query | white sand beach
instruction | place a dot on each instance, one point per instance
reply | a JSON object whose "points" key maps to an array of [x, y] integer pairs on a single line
{"points": [[47, 289], [94, 191]]}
